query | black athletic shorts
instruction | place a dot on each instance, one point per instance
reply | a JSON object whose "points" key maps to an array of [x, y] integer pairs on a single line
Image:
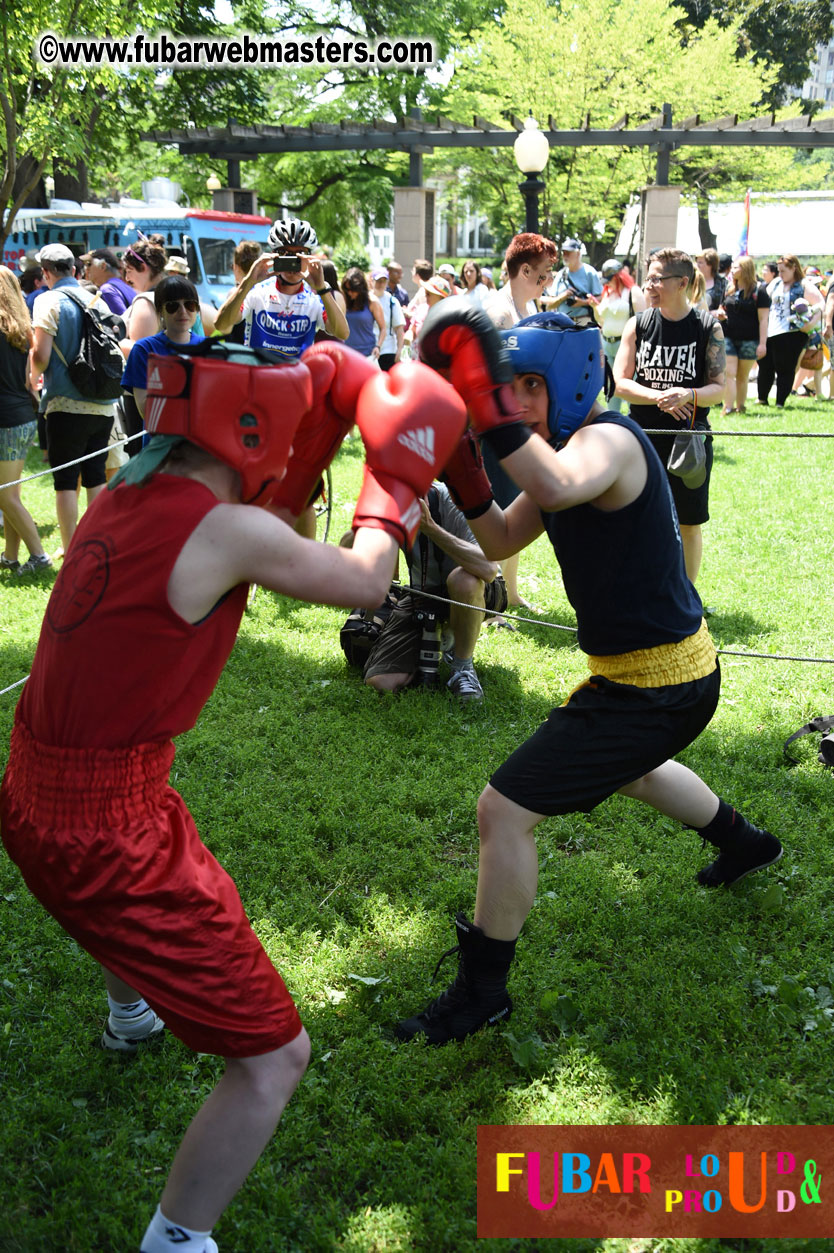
{"points": [[72, 435], [607, 735]]}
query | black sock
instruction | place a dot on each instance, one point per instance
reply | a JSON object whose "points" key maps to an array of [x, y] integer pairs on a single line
{"points": [[725, 824]]}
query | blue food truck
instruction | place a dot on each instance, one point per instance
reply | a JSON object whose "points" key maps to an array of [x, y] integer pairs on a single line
{"points": [[206, 237]]}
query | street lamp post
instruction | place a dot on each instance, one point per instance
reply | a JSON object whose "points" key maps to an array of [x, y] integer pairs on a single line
{"points": [[531, 151]]}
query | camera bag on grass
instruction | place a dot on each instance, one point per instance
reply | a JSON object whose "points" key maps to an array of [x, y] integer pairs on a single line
{"points": [[363, 627], [826, 750]]}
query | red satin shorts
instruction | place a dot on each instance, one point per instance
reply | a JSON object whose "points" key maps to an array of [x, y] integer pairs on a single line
{"points": [[111, 851]]}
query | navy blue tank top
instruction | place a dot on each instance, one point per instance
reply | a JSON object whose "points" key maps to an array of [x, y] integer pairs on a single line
{"points": [[623, 570]]}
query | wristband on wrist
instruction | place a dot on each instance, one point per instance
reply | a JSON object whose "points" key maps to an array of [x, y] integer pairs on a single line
{"points": [[477, 510], [504, 440], [324, 291]]}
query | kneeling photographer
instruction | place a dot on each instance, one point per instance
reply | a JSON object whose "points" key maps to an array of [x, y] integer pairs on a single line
{"points": [[446, 561]]}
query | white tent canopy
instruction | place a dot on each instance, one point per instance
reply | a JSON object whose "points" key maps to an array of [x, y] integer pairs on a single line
{"points": [[798, 222]]}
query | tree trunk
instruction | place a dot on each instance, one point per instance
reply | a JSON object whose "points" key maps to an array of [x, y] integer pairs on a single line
{"points": [[71, 184], [705, 231], [37, 197]]}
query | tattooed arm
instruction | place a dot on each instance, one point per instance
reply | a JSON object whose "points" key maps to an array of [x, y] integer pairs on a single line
{"points": [[712, 392]]}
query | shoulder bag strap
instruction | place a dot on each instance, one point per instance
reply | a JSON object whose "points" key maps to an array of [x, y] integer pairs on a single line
{"points": [[816, 724]]}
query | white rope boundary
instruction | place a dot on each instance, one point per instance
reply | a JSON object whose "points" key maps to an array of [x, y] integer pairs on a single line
{"points": [[702, 430], [120, 443], [555, 626], [685, 430], [514, 617]]}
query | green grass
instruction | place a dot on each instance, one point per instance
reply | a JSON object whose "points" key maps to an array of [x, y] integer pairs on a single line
{"points": [[348, 823]]}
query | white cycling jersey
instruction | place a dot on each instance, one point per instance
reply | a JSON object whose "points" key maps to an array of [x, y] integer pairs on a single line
{"points": [[282, 324]]}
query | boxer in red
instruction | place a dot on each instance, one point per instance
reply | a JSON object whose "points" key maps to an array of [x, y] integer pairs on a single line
{"points": [[138, 628]]}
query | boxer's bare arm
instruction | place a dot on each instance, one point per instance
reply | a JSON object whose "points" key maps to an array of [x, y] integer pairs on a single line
{"points": [[242, 544], [503, 532], [602, 465]]}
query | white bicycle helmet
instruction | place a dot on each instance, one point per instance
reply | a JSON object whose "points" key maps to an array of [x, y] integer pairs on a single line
{"points": [[291, 233]]}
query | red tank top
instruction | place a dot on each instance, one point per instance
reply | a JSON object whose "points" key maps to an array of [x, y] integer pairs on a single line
{"points": [[115, 665]]}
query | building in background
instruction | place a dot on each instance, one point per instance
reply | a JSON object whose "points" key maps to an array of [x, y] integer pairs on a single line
{"points": [[820, 84]]}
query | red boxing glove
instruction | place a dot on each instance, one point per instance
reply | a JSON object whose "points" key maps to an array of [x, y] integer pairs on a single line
{"points": [[410, 420], [460, 340], [338, 375], [466, 478]]}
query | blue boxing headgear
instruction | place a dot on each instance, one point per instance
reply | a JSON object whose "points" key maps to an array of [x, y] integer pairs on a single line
{"points": [[569, 358]]}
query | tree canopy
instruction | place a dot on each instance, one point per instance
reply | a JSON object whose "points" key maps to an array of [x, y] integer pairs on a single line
{"points": [[556, 58], [779, 34], [604, 58]]}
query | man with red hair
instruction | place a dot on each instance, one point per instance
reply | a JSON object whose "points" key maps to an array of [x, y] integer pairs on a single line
{"points": [[529, 261]]}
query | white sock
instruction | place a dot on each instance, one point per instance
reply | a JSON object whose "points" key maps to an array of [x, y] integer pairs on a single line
{"points": [[128, 1009], [457, 664], [164, 1236]]}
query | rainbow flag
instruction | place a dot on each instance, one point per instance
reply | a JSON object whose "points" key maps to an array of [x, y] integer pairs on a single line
{"points": [[744, 238]]}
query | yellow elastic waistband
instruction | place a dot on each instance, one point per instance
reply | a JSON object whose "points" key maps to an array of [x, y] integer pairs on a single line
{"points": [[661, 666]]}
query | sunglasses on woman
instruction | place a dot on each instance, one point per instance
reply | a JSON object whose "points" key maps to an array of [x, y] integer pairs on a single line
{"points": [[190, 306]]}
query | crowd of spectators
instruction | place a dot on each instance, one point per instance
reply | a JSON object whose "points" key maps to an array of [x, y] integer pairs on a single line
{"points": [[774, 325]]}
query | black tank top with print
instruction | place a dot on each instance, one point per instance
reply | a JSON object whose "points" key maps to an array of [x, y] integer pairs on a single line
{"points": [[670, 354]]}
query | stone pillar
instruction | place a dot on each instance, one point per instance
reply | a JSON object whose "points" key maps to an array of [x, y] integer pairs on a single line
{"points": [[658, 222], [234, 200], [413, 229]]}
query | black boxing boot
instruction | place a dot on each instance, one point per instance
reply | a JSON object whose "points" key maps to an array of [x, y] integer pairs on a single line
{"points": [[477, 998], [742, 847]]}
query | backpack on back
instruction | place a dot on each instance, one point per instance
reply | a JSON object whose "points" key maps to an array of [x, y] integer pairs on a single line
{"points": [[97, 369]]}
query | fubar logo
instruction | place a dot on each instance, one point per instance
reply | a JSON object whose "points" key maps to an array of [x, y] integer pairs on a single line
{"points": [[715, 1182]]}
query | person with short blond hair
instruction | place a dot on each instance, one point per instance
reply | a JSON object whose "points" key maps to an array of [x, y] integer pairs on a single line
{"points": [[670, 368], [245, 255], [76, 425]]}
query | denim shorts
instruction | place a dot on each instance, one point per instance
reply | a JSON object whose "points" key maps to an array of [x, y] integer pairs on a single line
{"points": [[744, 349], [15, 441]]}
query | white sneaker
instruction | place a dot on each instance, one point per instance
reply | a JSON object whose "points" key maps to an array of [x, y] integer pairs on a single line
{"points": [[466, 685], [210, 1245], [123, 1035]]}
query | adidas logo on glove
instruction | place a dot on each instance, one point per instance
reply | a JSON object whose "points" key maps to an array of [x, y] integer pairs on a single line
{"points": [[421, 442]]}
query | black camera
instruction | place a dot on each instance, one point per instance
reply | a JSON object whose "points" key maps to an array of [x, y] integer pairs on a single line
{"points": [[288, 263], [427, 669]]}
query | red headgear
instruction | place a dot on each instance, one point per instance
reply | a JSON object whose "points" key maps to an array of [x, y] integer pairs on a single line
{"points": [[234, 405]]}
